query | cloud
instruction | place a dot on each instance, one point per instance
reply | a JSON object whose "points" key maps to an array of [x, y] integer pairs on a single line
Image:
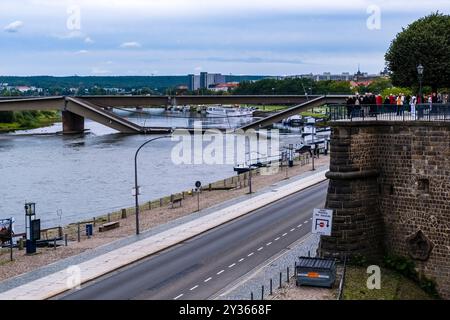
{"points": [[69, 35], [81, 52], [88, 40], [252, 60], [132, 44], [14, 26], [99, 71]]}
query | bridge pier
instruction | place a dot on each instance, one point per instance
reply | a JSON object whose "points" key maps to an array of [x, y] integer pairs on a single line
{"points": [[72, 123]]}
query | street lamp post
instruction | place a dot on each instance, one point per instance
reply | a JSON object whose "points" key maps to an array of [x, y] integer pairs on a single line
{"points": [[136, 187], [313, 144], [420, 69]]}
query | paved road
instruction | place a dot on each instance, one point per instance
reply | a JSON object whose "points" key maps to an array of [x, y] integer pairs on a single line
{"points": [[202, 266]]}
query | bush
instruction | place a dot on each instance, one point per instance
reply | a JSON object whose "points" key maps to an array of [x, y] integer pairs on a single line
{"points": [[7, 117], [407, 268]]}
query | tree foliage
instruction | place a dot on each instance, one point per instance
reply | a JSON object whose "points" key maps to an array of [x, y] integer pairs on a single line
{"points": [[427, 42], [292, 86]]}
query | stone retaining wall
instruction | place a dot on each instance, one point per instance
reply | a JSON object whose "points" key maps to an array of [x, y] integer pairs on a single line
{"points": [[390, 189]]}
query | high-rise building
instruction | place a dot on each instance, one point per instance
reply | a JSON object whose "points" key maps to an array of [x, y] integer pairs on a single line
{"points": [[206, 80], [193, 82]]}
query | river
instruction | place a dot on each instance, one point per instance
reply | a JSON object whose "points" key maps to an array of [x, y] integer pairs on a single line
{"points": [[92, 174]]}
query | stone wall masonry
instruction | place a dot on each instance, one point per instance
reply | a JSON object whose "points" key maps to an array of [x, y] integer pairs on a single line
{"points": [[390, 189]]}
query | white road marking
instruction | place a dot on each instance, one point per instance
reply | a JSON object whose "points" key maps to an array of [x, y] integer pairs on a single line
{"points": [[268, 244], [193, 288], [178, 297], [260, 249], [306, 221], [292, 229], [240, 260], [208, 279], [250, 254], [299, 226], [221, 271], [284, 235], [310, 218], [277, 239], [231, 265]]}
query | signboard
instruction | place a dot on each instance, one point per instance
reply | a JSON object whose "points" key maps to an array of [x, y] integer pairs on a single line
{"points": [[133, 191], [35, 230], [322, 222], [6, 229]]}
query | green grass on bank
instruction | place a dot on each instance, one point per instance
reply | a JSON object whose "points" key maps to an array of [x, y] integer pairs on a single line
{"points": [[30, 120], [393, 286], [273, 108]]}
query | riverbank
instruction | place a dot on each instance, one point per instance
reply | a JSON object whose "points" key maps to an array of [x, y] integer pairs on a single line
{"points": [[153, 214], [30, 120]]}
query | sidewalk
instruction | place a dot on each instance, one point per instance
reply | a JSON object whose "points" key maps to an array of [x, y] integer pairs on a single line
{"points": [[52, 280]]}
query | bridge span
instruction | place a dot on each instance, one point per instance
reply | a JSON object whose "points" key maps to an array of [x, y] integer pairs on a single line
{"points": [[97, 108]]}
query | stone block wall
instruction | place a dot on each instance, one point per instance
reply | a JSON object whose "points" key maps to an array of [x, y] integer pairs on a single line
{"points": [[390, 189]]}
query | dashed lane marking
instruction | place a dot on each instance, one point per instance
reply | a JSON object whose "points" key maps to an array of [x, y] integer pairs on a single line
{"points": [[276, 239], [268, 244], [220, 272], [178, 297], [193, 288], [284, 235], [250, 254], [240, 260], [208, 279], [231, 265]]}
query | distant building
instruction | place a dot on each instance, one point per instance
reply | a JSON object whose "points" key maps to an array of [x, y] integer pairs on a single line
{"points": [[193, 82], [225, 87], [205, 80], [23, 89]]}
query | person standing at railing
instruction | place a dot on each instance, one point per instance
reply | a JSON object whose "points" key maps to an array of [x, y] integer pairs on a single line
{"points": [[350, 104], [399, 104], [357, 106], [413, 107]]}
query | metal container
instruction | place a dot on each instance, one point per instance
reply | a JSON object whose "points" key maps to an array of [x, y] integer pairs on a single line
{"points": [[316, 272]]}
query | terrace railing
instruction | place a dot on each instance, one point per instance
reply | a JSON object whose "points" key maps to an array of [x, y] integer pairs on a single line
{"points": [[421, 112]]}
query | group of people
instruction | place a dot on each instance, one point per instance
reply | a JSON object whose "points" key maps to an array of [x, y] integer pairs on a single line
{"points": [[370, 104]]}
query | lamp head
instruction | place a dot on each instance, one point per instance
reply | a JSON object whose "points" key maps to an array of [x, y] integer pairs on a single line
{"points": [[420, 69]]}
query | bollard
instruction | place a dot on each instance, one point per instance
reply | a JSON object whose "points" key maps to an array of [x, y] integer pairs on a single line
{"points": [[109, 217], [262, 292], [65, 239], [280, 280], [251, 295], [21, 244], [54, 244], [271, 286], [79, 232], [93, 219], [124, 213], [160, 202], [287, 275], [149, 205]]}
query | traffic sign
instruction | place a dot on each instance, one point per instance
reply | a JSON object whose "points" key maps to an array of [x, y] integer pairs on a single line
{"points": [[322, 222], [198, 184]]}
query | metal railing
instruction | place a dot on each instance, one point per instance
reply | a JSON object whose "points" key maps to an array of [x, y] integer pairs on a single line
{"points": [[421, 112]]}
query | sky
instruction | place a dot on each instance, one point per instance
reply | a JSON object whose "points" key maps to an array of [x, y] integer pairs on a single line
{"points": [[177, 37]]}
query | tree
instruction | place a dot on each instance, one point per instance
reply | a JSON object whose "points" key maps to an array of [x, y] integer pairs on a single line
{"points": [[427, 42]]}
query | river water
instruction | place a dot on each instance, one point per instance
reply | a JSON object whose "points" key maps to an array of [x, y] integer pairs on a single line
{"points": [[92, 174]]}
